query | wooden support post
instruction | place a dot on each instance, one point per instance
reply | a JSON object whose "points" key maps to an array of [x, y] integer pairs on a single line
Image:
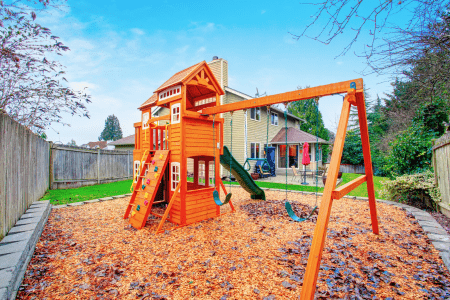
{"points": [[196, 170], [183, 159], [360, 103], [320, 231], [166, 213], [161, 137], [150, 133]]}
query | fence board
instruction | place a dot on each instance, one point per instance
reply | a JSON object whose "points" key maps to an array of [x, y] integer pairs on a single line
{"points": [[441, 161], [23, 170]]}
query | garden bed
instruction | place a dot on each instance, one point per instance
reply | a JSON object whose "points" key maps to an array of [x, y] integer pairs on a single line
{"points": [[89, 251]]}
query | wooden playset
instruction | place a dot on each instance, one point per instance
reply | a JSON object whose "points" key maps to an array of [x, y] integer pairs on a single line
{"points": [[193, 130]]}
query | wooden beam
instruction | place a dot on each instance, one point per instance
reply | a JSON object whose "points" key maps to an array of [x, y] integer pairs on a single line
{"points": [[161, 118], [320, 231], [348, 187], [360, 103], [320, 91]]}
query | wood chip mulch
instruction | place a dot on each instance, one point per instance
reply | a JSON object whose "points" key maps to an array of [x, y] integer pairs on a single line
{"points": [[90, 252]]}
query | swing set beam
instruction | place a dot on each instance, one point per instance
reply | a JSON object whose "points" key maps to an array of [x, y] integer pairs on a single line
{"points": [[304, 94]]}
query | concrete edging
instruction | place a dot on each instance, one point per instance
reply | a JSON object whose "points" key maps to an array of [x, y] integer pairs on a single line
{"points": [[17, 248], [91, 201]]}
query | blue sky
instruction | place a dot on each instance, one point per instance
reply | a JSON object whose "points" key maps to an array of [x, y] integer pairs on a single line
{"points": [[122, 51]]}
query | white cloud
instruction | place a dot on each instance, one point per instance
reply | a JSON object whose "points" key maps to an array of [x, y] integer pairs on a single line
{"points": [[339, 63], [263, 12], [137, 31]]}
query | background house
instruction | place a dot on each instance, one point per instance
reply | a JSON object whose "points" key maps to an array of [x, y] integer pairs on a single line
{"points": [[96, 145], [250, 128], [126, 143]]}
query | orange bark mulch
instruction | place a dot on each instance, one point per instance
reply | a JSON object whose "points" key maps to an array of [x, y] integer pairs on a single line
{"points": [[257, 252]]}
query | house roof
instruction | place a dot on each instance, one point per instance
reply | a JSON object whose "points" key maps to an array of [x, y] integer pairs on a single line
{"points": [[99, 144], [128, 140], [247, 97], [295, 135]]}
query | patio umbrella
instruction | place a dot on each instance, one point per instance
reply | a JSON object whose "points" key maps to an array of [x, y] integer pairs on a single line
{"points": [[305, 159]]}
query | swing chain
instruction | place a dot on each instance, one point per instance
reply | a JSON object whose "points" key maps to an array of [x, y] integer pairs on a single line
{"points": [[231, 142]]}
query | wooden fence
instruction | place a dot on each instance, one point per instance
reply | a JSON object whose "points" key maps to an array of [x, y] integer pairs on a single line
{"points": [[358, 169], [24, 172], [75, 166], [441, 164]]}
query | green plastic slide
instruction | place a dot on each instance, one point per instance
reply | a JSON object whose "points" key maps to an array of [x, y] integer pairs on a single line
{"points": [[242, 176]]}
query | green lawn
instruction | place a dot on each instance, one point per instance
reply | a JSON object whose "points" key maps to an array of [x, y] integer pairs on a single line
{"points": [[57, 197], [361, 191]]}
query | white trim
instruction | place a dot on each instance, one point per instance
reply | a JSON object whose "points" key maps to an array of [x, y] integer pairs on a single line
{"points": [[178, 114], [245, 136], [170, 92], [174, 175]]}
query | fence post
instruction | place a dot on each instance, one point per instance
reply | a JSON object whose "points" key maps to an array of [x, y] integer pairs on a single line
{"points": [[98, 167], [50, 167], [128, 164]]}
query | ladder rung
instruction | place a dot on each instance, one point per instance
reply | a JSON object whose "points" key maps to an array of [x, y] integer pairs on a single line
{"points": [[156, 202]]}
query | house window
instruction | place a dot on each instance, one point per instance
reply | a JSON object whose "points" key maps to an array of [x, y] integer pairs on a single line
{"points": [[176, 113], [201, 172], [145, 118], [274, 118], [175, 175], [255, 113], [254, 150], [136, 170], [212, 180]]}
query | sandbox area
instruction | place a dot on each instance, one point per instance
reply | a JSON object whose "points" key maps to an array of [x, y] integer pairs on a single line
{"points": [[257, 252]]}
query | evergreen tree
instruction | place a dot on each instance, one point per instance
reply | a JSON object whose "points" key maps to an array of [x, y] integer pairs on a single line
{"points": [[72, 143], [307, 110], [112, 130]]}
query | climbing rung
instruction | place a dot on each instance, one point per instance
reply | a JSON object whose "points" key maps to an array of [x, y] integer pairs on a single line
{"points": [[156, 202]]}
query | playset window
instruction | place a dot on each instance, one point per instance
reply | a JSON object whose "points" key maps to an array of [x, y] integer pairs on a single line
{"points": [[145, 118], [136, 170], [212, 181], [176, 113], [201, 172], [274, 118], [172, 91], [174, 175]]}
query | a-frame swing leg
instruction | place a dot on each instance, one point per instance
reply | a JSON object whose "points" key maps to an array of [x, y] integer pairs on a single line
{"points": [[318, 242], [360, 103]]}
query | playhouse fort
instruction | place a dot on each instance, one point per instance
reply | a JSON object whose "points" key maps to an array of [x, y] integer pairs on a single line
{"points": [[164, 145], [193, 130]]}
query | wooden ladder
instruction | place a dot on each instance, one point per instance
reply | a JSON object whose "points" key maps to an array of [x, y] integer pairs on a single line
{"points": [[146, 188]]}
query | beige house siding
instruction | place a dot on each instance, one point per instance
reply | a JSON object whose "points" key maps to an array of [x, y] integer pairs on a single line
{"points": [[238, 129]]}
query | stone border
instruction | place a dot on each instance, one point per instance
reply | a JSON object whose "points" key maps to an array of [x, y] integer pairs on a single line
{"points": [[91, 201], [17, 248]]}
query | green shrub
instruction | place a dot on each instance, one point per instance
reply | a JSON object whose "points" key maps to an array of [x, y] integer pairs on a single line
{"points": [[417, 190]]}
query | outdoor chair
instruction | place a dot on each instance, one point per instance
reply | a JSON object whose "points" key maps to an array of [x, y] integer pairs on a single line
{"points": [[294, 170]]}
